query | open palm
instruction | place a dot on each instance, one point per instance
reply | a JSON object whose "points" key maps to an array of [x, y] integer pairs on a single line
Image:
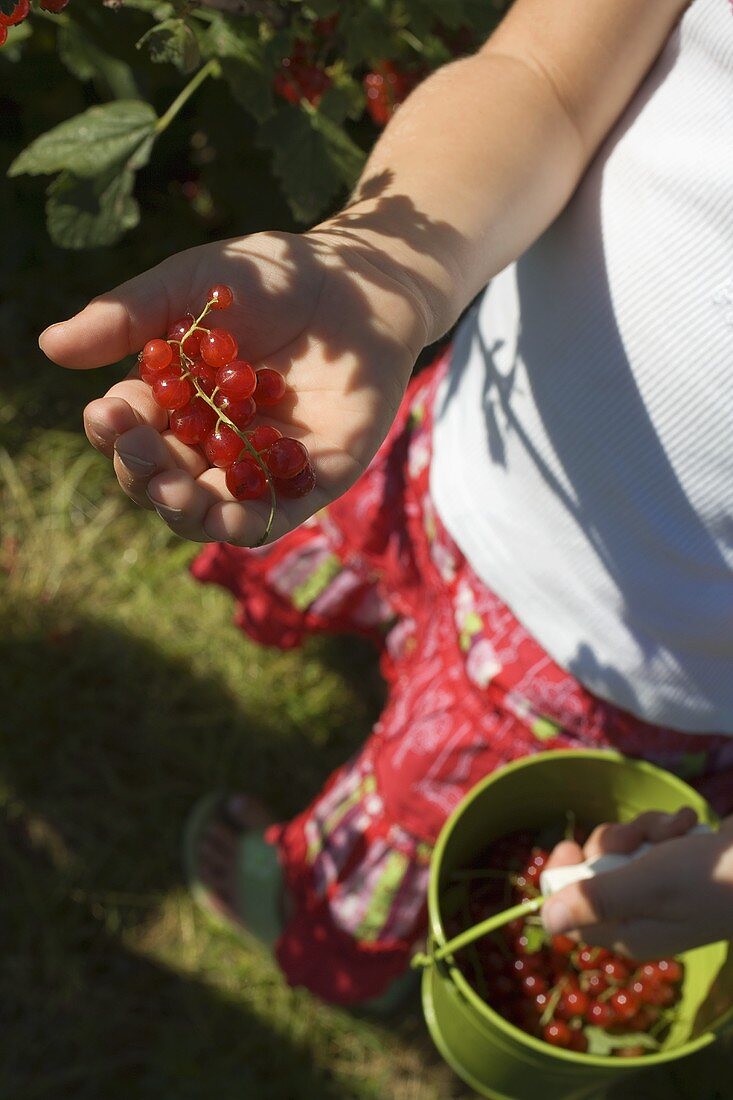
{"points": [[332, 317]]}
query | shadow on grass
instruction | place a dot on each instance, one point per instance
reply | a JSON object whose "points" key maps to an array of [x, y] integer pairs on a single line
{"points": [[105, 746]]}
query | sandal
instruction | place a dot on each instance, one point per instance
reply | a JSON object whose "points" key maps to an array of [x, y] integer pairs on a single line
{"points": [[259, 895], [258, 889]]}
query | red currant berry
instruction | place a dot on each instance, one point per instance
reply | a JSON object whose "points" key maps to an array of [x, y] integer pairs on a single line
{"points": [[237, 379], [20, 12], [600, 1014], [532, 984], [645, 1018], [596, 982], [193, 422], [218, 347], [150, 376], [670, 970], [220, 297], [655, 993], [563, 945], [204, 375], [54, 6], [286, 458], [178, 330], [270, 387], [558, 1034], [3, 34], [578, 1042], [172, 392], [590, 958], [298, 486], [624, 1003], [525, 965], [617, 970], [245, 479], [300, 79], [241, 413], [223, 446], [264, 436], [157, 355], [573, 1003]]}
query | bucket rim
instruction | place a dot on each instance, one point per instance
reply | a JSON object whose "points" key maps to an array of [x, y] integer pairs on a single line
{"points": [[437, 934]]}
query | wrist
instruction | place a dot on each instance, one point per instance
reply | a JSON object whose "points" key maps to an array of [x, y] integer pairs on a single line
{"points": [[389, 234]]}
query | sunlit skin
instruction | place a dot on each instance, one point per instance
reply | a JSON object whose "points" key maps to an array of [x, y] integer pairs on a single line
{"points": [[343, 310]]}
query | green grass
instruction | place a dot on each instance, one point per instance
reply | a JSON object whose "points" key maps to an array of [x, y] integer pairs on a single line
{"points": [[126, 693]]}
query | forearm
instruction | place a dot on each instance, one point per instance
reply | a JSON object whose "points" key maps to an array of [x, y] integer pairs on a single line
{"points": [[484, 154], [471, 170]]}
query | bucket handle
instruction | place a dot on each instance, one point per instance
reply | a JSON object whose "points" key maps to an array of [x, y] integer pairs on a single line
{"points": [[420, 960]]}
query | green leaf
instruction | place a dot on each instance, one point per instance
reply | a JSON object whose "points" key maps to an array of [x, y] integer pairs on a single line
{"points": [[244, 64], [91, 212], [159, 9], [13, 48], [344, 99], [368, 36], [313, 158], [87, 61], [89, 144], [603, 1043], [172, 42]]}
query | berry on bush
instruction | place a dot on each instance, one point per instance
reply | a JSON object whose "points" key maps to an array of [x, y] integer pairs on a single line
{"points": [[386, 87]]}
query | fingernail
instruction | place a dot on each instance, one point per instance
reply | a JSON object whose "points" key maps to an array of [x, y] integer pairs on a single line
{"points": [[166, 513], [102, 431], [135, 464], [46, 330], [556, 917]]}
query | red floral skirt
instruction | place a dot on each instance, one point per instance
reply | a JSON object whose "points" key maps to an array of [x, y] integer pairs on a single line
{"points": [[469, 690]]}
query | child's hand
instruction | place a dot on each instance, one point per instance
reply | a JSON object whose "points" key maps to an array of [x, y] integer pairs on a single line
{"points": [[678, 896], [342, 322]]}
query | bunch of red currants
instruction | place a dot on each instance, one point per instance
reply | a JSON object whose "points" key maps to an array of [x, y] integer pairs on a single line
{"points": [[21, 11], [212, 396], [553, 987]]}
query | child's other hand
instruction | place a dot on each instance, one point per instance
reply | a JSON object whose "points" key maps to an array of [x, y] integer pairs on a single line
{"points": [[678, 896], [343, 323]]}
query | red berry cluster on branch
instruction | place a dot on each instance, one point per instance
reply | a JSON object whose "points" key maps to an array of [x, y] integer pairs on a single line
{"points": [[22, 10], [555, 988], [300, 77], [212, 396], [386, 87]]}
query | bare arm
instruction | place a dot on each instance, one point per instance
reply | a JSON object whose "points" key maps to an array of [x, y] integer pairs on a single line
{"points": [[484, 155], [476, 164]]}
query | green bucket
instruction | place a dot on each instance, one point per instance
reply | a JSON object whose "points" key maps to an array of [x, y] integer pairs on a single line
{"points": [[495, 1058]]}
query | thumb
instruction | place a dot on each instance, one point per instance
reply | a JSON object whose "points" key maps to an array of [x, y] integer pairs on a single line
{"points": [[120, 322], [611, 897]]}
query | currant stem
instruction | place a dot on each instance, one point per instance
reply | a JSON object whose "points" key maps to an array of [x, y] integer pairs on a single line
{"points": [[209, 69], [223, 418], [478, 930]]}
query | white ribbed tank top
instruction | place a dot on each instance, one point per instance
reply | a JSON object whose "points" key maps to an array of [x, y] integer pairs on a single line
{"points": [[583, 454]]}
